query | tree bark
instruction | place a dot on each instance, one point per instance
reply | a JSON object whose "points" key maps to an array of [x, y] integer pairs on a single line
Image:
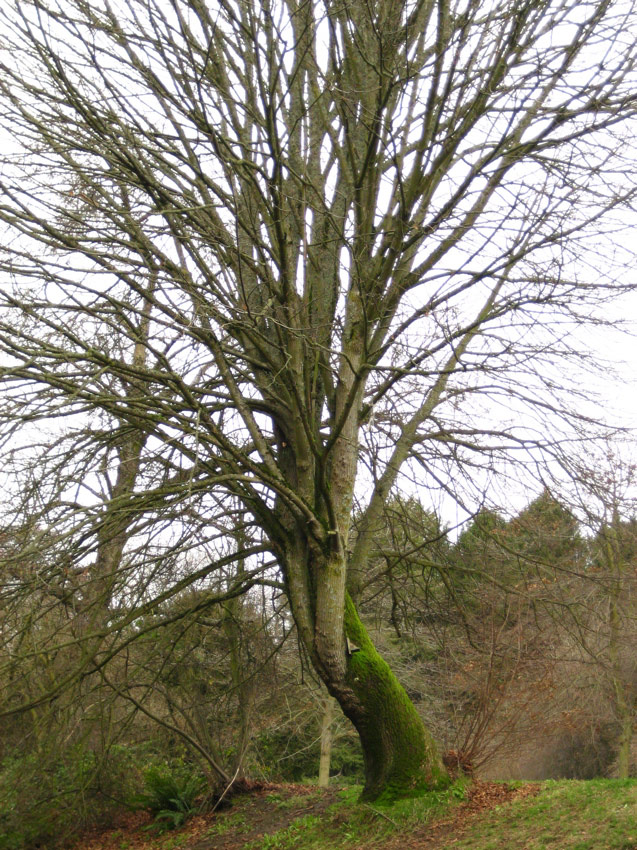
{"points": [[326, 743], [625, 746], [399, 753]]}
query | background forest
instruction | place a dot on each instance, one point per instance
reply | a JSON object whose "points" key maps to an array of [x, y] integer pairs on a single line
{"points": [[516, 641]]}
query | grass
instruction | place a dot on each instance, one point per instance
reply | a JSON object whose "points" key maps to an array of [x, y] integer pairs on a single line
{"points": [[170, 842], [599, 814], [347, 823], [291, 836], [565, 815], [233, 822]]}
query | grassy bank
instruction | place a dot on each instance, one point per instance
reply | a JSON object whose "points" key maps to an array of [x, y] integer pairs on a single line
{"points": [[564, 815]]}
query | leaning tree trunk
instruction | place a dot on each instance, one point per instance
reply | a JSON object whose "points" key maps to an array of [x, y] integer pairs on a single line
{"points": [[400, 755]]}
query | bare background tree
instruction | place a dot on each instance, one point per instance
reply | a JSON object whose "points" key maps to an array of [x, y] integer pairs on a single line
{"points": [[256, 253]]}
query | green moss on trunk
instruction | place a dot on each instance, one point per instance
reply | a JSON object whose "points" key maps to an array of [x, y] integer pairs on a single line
{"points": [[400, 755]]}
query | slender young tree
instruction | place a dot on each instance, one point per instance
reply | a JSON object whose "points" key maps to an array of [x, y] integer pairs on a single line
{"points": [[351, 240]]}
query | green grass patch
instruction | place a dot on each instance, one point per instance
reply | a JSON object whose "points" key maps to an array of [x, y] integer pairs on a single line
{"points": [[565, 815], [293, 835]]}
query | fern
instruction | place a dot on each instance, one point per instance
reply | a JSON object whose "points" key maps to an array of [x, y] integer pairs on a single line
{"points": [[170, 797]]}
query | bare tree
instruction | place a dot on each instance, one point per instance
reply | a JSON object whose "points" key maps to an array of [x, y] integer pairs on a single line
{"points": [[350, 238], [605, 490]]}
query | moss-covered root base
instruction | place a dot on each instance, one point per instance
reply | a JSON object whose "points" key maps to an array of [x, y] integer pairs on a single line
{"points": [[400, 755]]}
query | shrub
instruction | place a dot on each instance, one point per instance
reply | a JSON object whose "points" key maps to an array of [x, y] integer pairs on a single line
{"points": [[43, 801]]}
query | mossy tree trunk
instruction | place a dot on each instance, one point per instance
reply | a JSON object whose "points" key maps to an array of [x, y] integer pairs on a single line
{"points": [[400, 754]]}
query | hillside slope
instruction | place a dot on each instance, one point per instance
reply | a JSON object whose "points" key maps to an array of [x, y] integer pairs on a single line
{"points": [[563, 815]]}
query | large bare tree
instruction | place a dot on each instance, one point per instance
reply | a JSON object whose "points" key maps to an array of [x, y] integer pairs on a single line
{"points": [[255, 248]]}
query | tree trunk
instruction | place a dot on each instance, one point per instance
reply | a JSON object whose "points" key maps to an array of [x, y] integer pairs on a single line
{"points": [[242, 684], [400, 756], [625, 746], [326, 742]]}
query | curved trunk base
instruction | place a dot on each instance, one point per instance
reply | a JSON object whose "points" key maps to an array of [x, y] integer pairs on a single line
{"points": [[401, 758]]}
